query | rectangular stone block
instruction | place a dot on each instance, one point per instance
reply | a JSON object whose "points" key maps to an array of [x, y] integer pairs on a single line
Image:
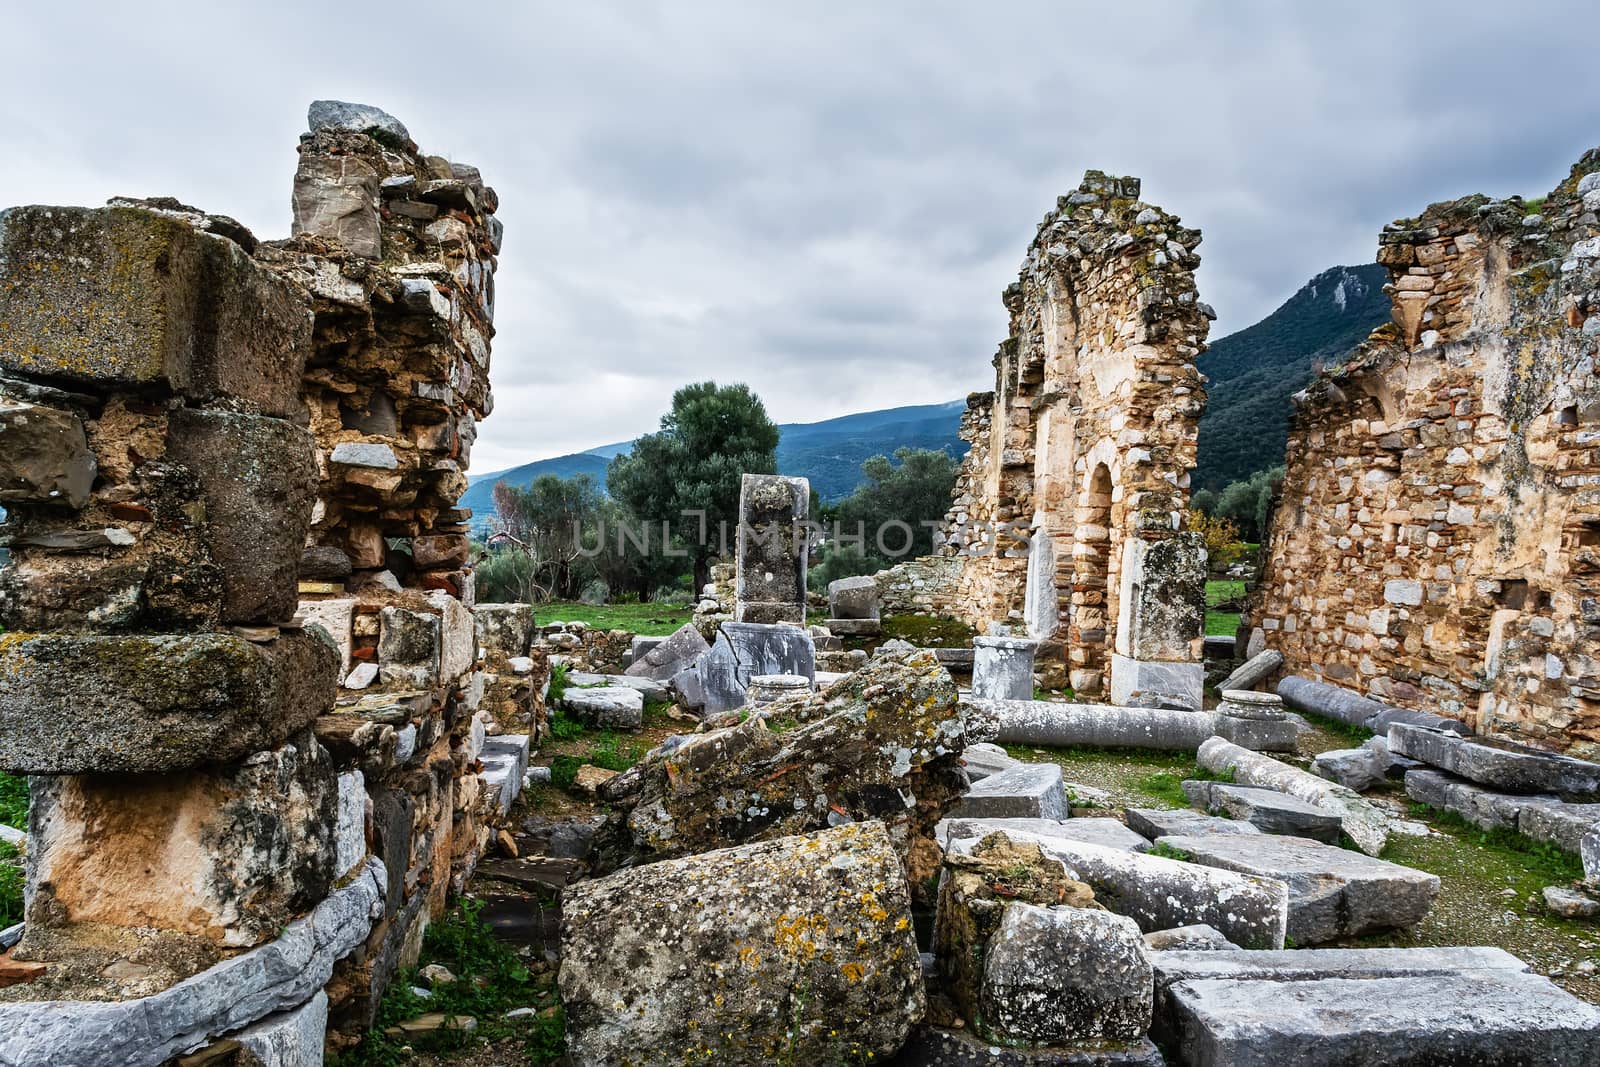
{"points": [[1153, 684], [79, 704], [1497, 764], [44, 455], [1268, 810], [128, 297], [1495, 1018], [1026, 791], [229, 854], [1333, 892]]}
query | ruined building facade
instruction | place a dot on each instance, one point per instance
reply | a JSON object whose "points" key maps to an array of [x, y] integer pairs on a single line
{"points": [[1069, 508], [241, 659], [1437, 539]]}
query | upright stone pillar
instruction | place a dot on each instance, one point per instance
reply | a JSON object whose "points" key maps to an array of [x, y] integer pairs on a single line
{"points": [[1158, 654], [770, 583]]}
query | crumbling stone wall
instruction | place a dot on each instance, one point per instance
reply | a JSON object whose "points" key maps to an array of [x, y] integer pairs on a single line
{"points": [[241, 656], [1085, 445], [1435, 540]]}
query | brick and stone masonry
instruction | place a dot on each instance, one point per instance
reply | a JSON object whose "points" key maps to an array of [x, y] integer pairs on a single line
{"points": [[1436, 544], [240, 654], [1068, 510]]}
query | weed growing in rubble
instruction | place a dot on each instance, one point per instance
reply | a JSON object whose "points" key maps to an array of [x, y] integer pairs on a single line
{"points": [[490, 981], [563, 727], [558, 685], [10, 886], [13, 801]]}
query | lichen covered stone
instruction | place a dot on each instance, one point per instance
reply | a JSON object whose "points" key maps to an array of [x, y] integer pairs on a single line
{"points": [[798, 950]]}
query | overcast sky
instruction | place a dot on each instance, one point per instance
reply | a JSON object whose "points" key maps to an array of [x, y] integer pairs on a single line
{"points": [[822, 200]]}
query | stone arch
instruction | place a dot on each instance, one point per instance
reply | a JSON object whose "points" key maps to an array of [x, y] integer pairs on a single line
{"points": [[1092, 550]]}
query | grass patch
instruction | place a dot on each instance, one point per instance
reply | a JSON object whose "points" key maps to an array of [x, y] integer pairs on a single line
{"points": [[649, 620], [1224, 597], [1222, 623], [1356, 735], [490, 980], [1161, 848], [564, 770], [10, 886], [611, 753], [564, 727], [13, 800], [1223, 590], [924, 631], [1540, 858]]}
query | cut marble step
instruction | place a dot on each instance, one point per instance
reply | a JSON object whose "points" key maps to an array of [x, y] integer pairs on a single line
{"points": [[984, 759], [608, 706], [652, 690], [1542, 818], [1333, 892], [1154, 823], [1196, 938], [1093, 830], [1267, 810], [1026, 791], [1494, 1018], [1499, 765]]}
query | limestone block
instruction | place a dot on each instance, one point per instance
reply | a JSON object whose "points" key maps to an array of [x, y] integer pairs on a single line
{"points": [[1026, 791], [336, 197], [853, 598], [1498, 765], [1095, 830], [1268, 810], [336, 616], [350, 831], [837, 978], [1154, 823], [1353, 768], [458, 640], [290, 1038], [612, 706], [258, 479], [128, 297], [76, 704], [504, 630], [1066, 974], [1152, 684], [227, 854], [984, 759], [1162, 603], [44, 456], [363, 118], [408, 648], [1002, 668], [1590, 853], [1333, 892], [1253, 671], [237, 992], [936, 1045]]}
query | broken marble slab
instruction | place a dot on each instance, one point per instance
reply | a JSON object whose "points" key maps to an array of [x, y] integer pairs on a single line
{"points": [[984, 759], [1094, 830], [1154, 823], [607, 706], [1160, 893], [1493, 1018], [1499, 765], [1542, 818], [652, 690], [1026, 791], [1333, 892], [1267, 810], [1196, 938], [1367, 826], [936, 1046], [281, 975], [1253, 670]]}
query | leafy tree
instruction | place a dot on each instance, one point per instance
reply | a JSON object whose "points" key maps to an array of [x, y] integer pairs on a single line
{"points": [[712, 436], [914, 492], [1248, 503], [1221, 538], [547, 524]]}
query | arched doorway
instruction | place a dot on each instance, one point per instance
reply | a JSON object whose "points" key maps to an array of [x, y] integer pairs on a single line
{"points": [[1091, 551]]}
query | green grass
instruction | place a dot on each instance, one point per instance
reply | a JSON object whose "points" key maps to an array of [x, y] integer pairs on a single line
{"points": [[558, 684], [10, 887], [1541, 859], [1222, 591], [13, 801], [1166, 786], [491, 980], [927, 632], [649, 620]]}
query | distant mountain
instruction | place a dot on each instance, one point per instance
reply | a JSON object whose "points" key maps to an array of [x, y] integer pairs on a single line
{"points": [[1255, 371], [829, 453]]}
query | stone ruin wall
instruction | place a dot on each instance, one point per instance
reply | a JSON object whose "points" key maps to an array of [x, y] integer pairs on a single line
{"points": [[211, 445], [1087, 440], [1436, 543]]}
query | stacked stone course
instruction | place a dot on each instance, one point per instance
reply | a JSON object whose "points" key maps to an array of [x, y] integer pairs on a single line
{"points": [[1434, 542], [1080, 457], [241, 659]]}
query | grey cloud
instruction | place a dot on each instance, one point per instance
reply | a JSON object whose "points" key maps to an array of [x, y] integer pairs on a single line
{"points": [[824, 201]]}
